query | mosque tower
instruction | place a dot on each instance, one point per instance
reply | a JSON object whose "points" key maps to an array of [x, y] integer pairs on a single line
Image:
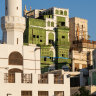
{"points": [[13, 24]]}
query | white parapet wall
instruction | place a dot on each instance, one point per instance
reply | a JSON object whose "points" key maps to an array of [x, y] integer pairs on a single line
{"points": [[15, 88], [93, 90]]}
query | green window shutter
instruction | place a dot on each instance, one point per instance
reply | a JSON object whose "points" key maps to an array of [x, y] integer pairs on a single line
{"points": [[56, 12], [52, 24], [48, 23], [65, 13], [61, 12]]}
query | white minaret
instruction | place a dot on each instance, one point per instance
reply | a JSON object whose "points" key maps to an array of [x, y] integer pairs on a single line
{"points": [[13, 24]]}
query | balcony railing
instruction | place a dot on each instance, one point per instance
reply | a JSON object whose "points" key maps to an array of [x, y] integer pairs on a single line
{"points": [[58, 79], [26, 78], [43, 79], [9, 78]]}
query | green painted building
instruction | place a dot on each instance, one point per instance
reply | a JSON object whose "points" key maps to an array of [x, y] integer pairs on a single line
{"points": [[49, 29]]}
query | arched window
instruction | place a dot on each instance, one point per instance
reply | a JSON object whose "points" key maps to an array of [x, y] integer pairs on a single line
{"points": [[52, 24], [56, 12], [51, 38], [15, 70], [61, 12], [11, 74], [65, 13], [48, 23], [15, 58]]}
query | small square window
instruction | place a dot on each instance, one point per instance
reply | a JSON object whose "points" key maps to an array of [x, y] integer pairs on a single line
{"points": [[63, 36], [33, 36], [40, 40], [37, 36], [63, 55], [62, 23], [51, 41]]}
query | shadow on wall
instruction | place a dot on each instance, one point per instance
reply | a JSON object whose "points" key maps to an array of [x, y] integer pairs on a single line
{"points": [[94, 94], [94, 58]]}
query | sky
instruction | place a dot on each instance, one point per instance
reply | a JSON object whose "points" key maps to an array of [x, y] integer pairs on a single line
{"points": [[77, 8]]}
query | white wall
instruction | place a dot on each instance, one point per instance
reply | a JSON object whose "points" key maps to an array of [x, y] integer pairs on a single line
{"points": [[31, 58], [16, 88], [14, 28], [13, 8]]}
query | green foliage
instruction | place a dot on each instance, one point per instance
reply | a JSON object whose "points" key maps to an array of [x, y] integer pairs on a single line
{"points": [[37, 22], [45, 68], [82, 92]]}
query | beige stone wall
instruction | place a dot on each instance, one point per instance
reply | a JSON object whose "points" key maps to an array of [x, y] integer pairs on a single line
{"points": [[80, 58], [73, 23], [72, 29]]}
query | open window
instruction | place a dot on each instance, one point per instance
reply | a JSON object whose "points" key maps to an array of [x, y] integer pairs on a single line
{"points": [[62, 23], [44, 58]]}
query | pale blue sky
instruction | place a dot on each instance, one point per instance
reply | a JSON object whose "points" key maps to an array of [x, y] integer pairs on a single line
{"points": [[80, 8]]}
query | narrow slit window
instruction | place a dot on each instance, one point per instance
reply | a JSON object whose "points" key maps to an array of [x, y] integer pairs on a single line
{"points": [[44, 58], [33, 36], [17, 7], [17, 40]]}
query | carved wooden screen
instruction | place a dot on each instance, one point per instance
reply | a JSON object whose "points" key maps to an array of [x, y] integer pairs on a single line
{"points": [[58, 93], [11, 74], [15, 58]]}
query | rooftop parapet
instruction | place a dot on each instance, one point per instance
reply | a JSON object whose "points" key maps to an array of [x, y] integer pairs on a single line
{"points": [[84, 44]]}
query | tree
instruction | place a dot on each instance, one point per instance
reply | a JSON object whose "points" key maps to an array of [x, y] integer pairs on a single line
{"points": [[82, 92]]}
